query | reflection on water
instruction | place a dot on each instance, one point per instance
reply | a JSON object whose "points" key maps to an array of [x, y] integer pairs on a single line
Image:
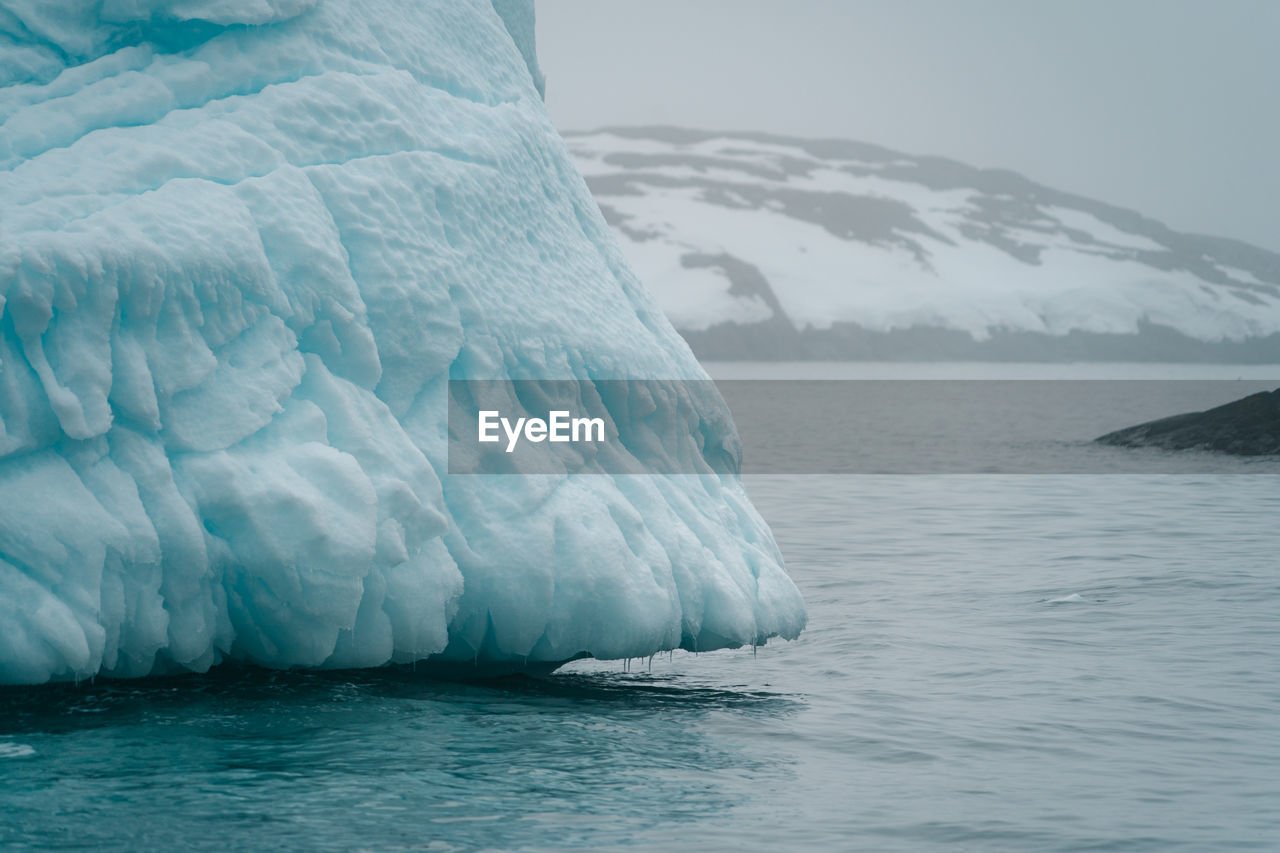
{"points": [[385, 757]]}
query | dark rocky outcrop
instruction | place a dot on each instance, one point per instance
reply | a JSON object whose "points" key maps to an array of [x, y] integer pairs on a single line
{"points": [[1248, 427]]}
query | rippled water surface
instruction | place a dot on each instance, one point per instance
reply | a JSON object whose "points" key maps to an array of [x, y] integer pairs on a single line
{"points": [[992, 662]]}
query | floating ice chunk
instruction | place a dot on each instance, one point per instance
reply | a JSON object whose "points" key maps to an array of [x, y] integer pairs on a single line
{"points": [[8, 749]]}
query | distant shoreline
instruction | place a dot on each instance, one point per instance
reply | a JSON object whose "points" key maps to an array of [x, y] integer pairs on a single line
{"points": [[776, 340]]}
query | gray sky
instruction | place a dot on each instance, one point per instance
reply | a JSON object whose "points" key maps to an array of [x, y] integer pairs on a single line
{"points": [[1170, 107]]}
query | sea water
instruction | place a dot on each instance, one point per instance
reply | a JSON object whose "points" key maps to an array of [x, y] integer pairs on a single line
{"points": [[1052, 662]]}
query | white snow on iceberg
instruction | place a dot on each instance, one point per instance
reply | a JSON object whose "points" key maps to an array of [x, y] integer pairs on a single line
{"points": [[244, 244]]}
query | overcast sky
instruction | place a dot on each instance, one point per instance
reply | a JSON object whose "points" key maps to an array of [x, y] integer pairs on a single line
{"points": [[1170, 107]]}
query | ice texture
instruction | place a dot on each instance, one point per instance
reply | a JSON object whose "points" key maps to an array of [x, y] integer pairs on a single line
{"points": [[244, 244]]}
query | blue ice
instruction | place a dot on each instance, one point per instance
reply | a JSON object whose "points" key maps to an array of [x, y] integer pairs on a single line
{"points": [[244, 244]]}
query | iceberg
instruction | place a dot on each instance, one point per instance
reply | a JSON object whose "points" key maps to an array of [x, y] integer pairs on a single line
{"points": [[244, 247]]}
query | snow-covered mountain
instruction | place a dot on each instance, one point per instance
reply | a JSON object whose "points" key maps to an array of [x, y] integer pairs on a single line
{"points": [[761, 246]]}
